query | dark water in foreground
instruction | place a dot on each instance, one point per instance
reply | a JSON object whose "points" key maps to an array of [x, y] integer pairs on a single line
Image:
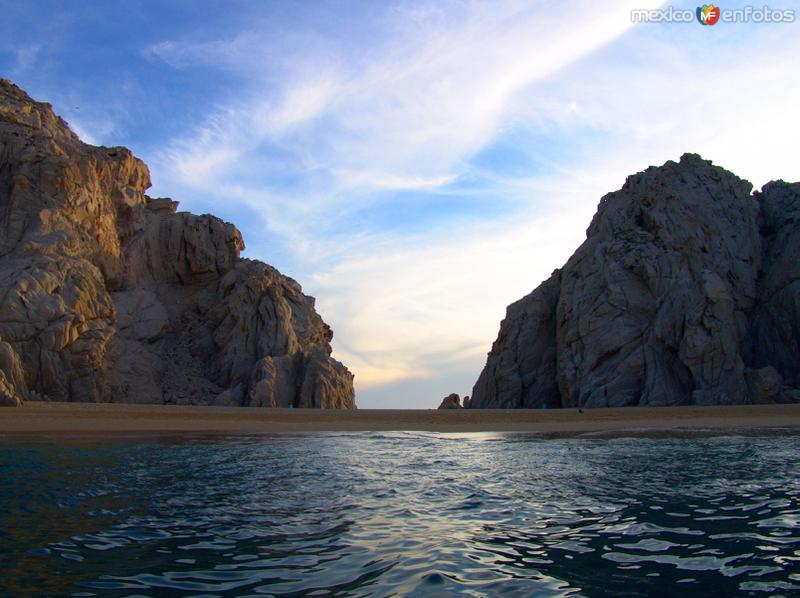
{"points": [[401, 514]]}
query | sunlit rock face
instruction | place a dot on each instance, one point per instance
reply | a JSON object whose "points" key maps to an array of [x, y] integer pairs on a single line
{"points": [[685, 292], [111, 295]]}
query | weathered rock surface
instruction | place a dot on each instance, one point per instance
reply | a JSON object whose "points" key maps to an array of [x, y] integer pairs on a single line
{"points": [[13, 389], [111, 295], [451, 401], [686, 291]]}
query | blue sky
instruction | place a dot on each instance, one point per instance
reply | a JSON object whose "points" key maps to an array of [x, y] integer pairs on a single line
{"points": [[417, 166]]}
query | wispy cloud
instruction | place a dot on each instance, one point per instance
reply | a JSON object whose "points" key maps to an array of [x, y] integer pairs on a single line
{"points": [[25, 57], [418, 305], [434, 92]]}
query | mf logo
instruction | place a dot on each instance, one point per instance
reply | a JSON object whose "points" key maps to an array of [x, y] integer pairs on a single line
{"points": [[708, 14]]}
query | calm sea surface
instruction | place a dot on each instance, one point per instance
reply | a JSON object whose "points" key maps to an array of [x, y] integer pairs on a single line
{"points": [[406, 514]]}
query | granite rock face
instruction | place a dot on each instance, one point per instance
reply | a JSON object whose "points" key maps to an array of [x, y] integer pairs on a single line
{"points": [[685, 292], [13, 389], [111, 295]]}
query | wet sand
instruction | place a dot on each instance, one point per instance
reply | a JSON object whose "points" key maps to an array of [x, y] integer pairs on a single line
{"points": [[116, 420]]}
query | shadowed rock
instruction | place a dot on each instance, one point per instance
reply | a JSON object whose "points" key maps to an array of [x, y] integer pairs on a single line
{"points": [[686, 291], [111, 295], [451, 401]]}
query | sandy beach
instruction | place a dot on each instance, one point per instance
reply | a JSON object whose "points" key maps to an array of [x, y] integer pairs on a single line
{"points": [[122, 420]]}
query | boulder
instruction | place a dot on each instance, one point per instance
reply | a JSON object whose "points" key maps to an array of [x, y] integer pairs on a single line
{"points": [[765, 385], [451, 401]]}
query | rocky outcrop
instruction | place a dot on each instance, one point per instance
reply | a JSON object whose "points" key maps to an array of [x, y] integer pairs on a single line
{"points": [[686, 291], [451, 401], [111, 295]]}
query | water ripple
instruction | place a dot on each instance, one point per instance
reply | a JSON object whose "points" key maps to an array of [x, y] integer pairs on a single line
{"points": [[409, 514]]}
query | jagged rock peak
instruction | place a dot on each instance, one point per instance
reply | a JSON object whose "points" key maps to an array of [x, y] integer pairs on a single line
{"points": [[112, 295], [686, 291]]}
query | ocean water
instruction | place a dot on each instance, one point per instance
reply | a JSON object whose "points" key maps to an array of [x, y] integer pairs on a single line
{"points": [[401, 514]]}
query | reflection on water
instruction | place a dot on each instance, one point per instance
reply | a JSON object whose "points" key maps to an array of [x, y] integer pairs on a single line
{"points": [[401, 514]]}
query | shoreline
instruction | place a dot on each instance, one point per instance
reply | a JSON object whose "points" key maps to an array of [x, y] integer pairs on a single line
{"points": [[124, 421]]}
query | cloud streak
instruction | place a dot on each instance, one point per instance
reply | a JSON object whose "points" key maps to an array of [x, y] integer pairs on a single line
{"points": [[413, 109]]}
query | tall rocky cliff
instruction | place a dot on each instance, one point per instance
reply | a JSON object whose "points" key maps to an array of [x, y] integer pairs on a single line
{"points": [[111, 295], [686, 291]]}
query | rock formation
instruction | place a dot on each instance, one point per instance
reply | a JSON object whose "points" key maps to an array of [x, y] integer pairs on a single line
{"points": [[451, 401], [111, 295], [686, 291]]}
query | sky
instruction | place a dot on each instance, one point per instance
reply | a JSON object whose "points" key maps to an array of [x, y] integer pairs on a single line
{"points": [[416, 166]]}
